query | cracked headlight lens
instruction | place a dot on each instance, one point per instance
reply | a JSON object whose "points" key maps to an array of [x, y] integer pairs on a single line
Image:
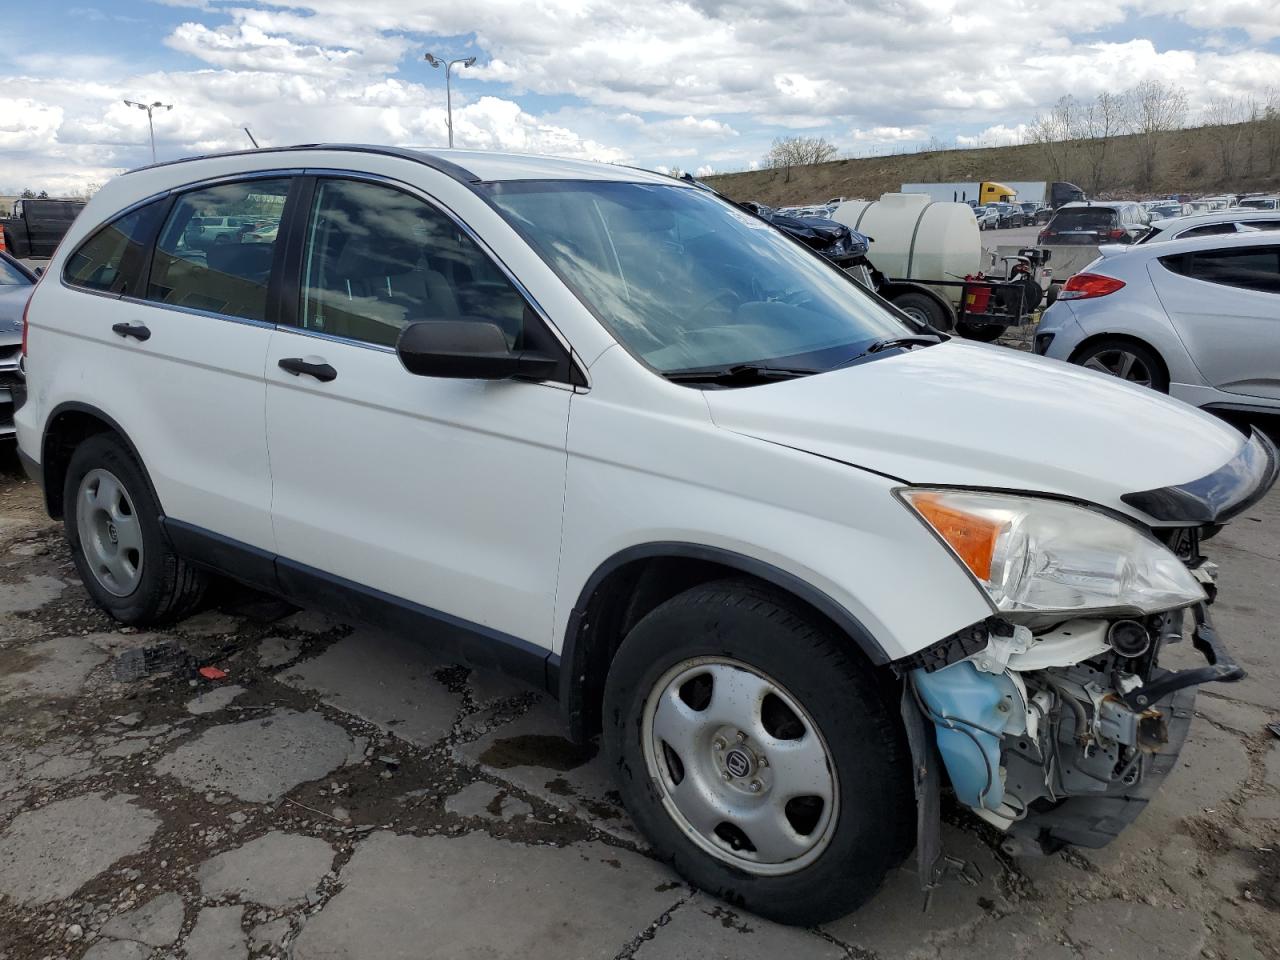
{"points": [[1034, 555]]}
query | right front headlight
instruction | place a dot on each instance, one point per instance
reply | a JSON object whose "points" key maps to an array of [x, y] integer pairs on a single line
{"points": [[1035, 555]]}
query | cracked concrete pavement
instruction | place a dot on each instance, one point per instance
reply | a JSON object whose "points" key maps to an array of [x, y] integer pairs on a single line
{"points": [[345, 794]]}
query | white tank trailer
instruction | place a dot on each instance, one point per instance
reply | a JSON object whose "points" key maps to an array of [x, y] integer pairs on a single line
{"points": [[925, 249]]}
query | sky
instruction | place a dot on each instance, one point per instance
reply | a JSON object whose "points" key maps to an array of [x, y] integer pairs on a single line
{"points": [[703, 85]]}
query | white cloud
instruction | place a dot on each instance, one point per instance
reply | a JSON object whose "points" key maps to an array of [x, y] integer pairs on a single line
{"points": [[999, 135], [887, 134], [697, 82]]}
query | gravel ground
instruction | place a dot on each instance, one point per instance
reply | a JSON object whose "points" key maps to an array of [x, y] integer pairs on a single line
{"points": [[344, 795]]}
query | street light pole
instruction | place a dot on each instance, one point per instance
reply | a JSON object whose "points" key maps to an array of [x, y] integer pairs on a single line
{"points": [[149, 107], [448, 90]]}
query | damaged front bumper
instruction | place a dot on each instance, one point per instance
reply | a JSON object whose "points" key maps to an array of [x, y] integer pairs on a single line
{"points": [[1055, 738]]}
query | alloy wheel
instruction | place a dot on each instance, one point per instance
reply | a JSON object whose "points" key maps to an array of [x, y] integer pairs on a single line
{"points": [[743, 769], [1121, 363]]}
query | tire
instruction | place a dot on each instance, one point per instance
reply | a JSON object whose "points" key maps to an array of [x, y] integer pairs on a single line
{"points": [[922, 307], [117, 544], [1129, 360], [982, 332], [737, 636]]}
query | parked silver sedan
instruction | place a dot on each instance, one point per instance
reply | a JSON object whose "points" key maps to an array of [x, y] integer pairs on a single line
{"points": [[1196, 318]]}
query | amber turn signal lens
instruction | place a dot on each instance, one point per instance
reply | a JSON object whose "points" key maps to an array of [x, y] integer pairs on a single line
{"points": [[973, 538]]}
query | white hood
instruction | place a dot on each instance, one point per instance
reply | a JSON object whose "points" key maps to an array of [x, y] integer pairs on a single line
{"points": [[970, 415]]}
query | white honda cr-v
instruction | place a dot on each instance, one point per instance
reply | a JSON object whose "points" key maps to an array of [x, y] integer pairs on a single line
{"points": [[796, 560]]}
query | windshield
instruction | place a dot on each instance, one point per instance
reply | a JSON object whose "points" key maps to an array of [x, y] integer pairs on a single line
{"points": [[687, 281], [11, 275]]}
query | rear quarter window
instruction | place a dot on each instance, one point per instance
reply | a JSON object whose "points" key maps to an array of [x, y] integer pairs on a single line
{"points": [[112, 259], [1249, 268]]}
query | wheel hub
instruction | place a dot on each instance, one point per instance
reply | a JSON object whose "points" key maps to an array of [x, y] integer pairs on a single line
{"points": [[109, 533]]}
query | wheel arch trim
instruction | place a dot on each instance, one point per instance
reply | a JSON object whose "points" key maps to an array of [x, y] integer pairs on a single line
{"points": [[573, 653], [52, 498]]}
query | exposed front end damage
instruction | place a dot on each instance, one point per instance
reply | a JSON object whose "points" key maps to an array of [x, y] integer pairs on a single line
{"points": [[1053, 719], [1058, 734]]}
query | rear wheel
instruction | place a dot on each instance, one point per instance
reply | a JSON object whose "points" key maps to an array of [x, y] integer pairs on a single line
{"points": [[758, 753], [112, 523], [1130, 361]]}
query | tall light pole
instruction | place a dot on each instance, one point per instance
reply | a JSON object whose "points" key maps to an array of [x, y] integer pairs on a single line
{"points": [[149, 107], [448, 91]]}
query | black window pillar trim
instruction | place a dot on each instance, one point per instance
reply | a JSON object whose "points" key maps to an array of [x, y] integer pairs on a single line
{"points": [[284, 292]]}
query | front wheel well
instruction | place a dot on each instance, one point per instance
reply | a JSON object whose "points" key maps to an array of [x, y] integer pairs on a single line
{"points": [[613, 603], [1097, 338]]}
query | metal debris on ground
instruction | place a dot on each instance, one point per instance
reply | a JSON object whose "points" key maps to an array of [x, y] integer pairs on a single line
{"points": [[1274, 727]]}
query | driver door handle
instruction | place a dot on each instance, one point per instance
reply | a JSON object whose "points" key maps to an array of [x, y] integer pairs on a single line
{"points": [[298, 366], [138, 331]]}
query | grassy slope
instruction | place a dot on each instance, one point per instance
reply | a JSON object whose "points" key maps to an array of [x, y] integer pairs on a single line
{"points": [[1190, 162]]}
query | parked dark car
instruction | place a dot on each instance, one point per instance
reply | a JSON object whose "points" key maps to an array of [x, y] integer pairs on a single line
{"points": [[36, 226], [16, 284], [1091, 223], [833, 240], [1077, 230], [1010, 214]]}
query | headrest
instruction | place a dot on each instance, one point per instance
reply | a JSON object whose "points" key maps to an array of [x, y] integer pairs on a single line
{"points": [[250, 260]]}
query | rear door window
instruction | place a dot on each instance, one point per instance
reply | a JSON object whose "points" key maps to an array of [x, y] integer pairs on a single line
{"points": [[112, 259], [205, 261]]}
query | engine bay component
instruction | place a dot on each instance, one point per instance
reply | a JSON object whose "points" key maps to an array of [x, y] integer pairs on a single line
{"points": [[1129, 638], [1062, 736]]}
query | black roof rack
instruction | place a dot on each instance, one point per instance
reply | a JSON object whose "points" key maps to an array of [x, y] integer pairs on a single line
{"points": [[447, 167]]}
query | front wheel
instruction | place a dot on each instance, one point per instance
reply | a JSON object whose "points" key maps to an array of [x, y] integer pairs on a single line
{"points": [[758, 753]]}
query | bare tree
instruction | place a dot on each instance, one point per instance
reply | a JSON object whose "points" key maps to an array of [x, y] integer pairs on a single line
{"points": [[1096, 125], [1052, 130], [788, 152], [1227, 115], [1270, 120], [1156, 108]]}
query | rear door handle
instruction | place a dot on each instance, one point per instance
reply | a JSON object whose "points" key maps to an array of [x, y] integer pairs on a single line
{"points": [[298, 366], [138, 331]]}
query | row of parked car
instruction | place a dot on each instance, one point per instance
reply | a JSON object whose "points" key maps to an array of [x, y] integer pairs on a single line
{"points": [[993, 216]]}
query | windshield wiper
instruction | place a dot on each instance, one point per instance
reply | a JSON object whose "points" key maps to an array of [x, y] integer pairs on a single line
{"points": [[921, 340], [890, 343], [738, 373]]}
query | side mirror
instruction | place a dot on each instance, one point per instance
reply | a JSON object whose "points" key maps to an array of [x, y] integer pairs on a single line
{"points": [[468, 350]]}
